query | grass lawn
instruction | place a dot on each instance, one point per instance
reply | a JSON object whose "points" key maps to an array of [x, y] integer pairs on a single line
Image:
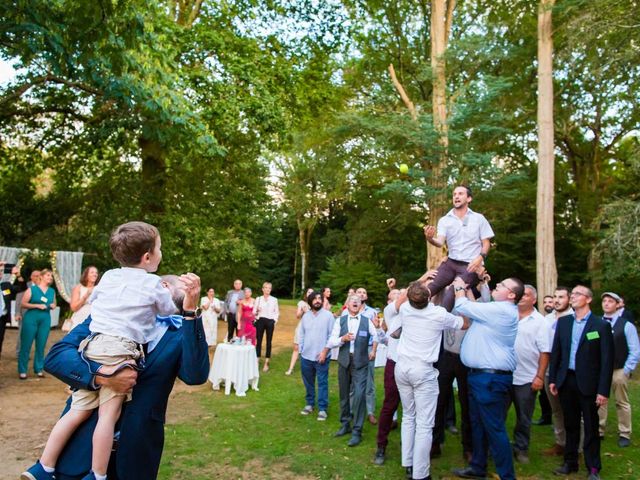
{"points": [[263, 436]]}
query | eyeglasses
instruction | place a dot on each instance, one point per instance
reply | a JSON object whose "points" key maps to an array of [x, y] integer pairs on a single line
{"points": [[504, 286], [579, 293]]}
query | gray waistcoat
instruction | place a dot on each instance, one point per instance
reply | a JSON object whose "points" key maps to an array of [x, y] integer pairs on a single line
{"points": [[361, 348]]}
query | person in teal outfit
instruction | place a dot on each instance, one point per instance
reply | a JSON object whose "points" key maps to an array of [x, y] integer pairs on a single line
{"points": [[38, 301]]}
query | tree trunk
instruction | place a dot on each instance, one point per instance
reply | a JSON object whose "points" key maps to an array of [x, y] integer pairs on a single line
{"points": [[305, 240], [441, 20], [295, 272], [546, 273], [153, 174]]}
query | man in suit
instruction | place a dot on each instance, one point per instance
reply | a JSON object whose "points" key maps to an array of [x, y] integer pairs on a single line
{"points": [[178, 349], [580, 373], [351, 332], [14, 285]]}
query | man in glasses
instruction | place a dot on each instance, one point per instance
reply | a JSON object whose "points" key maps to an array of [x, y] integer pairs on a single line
{"points": [[580, 374], [488, 350], [468, 237]]}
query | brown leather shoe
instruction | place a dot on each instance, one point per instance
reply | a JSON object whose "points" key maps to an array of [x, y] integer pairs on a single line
{"points": [[555, 451], [372, 419]]}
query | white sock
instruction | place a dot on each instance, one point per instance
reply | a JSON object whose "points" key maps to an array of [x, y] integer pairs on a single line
{"points": [[99, 477], [47, 469]]}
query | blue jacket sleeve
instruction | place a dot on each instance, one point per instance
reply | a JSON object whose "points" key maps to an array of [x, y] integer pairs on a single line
{"points": [[194, 364], [65, 363]]}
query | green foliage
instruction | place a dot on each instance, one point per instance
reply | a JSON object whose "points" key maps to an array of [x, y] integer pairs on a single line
{"points": [[341, 276]]}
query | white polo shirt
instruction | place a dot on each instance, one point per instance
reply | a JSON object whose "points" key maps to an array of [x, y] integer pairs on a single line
{"points": [[532, 340], [464, 235]]}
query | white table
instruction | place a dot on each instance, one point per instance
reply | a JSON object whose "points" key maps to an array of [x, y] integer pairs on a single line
{"points": [[237, 365]]}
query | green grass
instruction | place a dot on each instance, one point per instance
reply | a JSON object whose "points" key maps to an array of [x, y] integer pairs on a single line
{"points": [[263, 436]]}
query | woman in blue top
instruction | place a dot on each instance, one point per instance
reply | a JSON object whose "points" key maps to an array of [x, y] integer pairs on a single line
{"points": [[38, 301]]}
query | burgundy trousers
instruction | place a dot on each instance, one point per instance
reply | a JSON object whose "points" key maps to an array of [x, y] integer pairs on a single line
{"points": [[389, 404]]}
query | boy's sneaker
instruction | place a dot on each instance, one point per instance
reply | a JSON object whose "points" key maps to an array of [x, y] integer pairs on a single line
{"points": [[36, 472], [322, 416], [306, 410]]}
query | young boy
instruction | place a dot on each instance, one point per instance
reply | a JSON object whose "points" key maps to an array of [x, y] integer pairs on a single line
{"points": [[124, 306]]}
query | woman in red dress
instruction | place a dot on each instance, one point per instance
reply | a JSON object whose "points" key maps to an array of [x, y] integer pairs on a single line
{"points": [[246, 317]]}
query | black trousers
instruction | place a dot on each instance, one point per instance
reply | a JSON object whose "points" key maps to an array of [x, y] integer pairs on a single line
{"points": [[450, 366], [3, 325], [264, 325], [232, 326], [575, 406]]}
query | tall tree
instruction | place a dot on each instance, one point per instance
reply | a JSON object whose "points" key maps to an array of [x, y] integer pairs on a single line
{"points": [[546, 273]]}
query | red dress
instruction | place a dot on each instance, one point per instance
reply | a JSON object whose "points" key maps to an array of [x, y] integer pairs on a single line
{"points": [[248, 329]]}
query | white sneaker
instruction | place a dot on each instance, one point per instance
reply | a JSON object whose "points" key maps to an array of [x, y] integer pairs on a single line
{"points": [[322, 416], [306, 410]]}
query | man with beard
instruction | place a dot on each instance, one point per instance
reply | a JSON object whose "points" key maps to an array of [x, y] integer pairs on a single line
{"points": [[547, 304], [468, 237], [561, 308], [315, 329]]}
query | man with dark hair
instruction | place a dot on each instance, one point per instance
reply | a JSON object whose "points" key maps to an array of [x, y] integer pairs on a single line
{"points": [[488, 351], [547, 304], [418, 349], [468, 238], [580, 373], [627, 354], [315, 329], [15, 284]]}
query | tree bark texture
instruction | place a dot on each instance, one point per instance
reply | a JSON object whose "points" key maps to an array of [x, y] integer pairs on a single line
{"points": [[546, 272]]}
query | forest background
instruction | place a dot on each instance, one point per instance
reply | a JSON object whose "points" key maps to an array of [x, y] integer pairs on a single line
{"points": [[264, 137]]}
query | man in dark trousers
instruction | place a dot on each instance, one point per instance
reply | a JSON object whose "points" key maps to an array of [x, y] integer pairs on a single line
{"points": [[14, 285], [351, 332], [580, 373]]}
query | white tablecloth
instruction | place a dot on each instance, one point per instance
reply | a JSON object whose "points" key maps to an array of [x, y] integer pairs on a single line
{"points": [[237, 365]]}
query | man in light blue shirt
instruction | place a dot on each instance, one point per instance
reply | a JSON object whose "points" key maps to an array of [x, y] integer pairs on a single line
{"points": [[489, 353], [315, 329]]}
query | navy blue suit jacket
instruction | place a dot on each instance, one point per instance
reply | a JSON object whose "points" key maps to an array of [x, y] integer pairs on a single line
{"points": [[180, 353], [594, 357]]}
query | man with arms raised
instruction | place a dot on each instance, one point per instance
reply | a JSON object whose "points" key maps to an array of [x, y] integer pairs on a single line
{"points": [[488, 351], [580, 374], [467, 235], [179, 349]]}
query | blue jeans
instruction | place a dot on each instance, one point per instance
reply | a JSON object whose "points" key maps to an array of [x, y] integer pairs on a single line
{"points": [[310, 370], [488, 395]]}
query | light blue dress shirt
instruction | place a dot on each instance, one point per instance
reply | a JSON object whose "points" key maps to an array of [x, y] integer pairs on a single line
{"points": [[576, 335], [315, 330], [489, 342]]}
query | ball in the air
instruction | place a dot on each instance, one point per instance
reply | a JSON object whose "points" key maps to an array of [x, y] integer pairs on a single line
{"points": [[404, 168]]}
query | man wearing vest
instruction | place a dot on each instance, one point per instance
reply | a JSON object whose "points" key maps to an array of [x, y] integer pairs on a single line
{"points": [[351, 332], [626, 349]]}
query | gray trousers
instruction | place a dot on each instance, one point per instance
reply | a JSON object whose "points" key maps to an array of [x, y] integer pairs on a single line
{"points": [[524, 400], [352, 409]]}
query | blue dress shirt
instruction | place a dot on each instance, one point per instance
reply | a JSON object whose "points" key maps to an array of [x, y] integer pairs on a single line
{"points": [[576, 335], [489, 342]]}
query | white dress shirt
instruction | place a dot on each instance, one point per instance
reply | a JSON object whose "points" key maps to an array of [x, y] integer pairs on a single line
{"points": [[266, 308], [532, 340], [464, 235], [422, 332], [551, 321], [392, 319], [125, 304], [352, 327]]}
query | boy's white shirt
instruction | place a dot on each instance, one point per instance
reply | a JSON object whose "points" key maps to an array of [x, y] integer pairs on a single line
{"points": [[125, 304]]}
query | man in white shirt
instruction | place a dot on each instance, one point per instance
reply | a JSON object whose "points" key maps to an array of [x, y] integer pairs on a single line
{"points": [[351, 332], [532, 358], [468, 237], [561, 308], [418, 349], [266, 312]]}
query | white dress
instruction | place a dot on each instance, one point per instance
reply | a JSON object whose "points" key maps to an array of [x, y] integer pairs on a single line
{"points": [[210, 319], [81, 315]]}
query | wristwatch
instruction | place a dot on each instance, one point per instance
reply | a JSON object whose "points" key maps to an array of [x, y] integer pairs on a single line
{"points": [[460, 289], [483, 255], [191, 313]]}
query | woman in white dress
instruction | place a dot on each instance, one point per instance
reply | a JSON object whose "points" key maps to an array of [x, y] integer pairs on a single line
{"points": [[211, 308], [79, 296]]}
